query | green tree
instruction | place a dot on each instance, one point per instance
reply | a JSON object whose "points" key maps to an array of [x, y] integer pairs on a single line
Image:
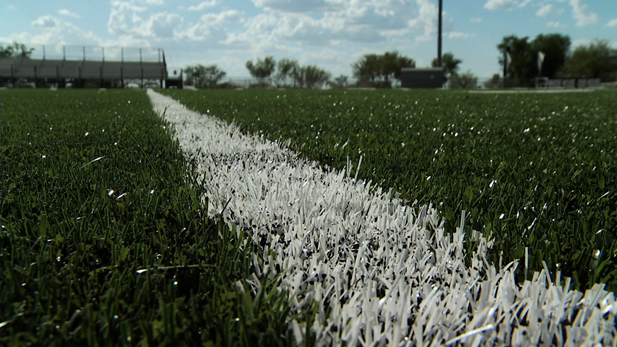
{"points": [[297, 74], [596, 60], [367, 68], [15, 50], [374, 67], [262, 69], [449, 62], [392, 63], [465, 80], [521, 69], [202, 76], [314, 76], [286, 69], [493, 82], [339, 82], [556, 48]]}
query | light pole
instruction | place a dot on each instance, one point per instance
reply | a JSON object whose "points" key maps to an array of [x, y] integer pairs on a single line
{"points": [[439, 34]]}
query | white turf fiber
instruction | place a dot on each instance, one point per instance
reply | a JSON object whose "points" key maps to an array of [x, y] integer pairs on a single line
{"points": [[382, 272]]}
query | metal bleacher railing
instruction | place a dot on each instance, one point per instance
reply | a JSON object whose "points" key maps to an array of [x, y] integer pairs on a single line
{"points": [[86, 63]]}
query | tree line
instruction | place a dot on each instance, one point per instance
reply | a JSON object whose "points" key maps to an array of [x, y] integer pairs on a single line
{"points": [[375, 70], [285, 73], [289, 73], [547, 55]]}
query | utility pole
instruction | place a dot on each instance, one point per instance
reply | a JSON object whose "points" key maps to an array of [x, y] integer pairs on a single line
{"points": [[439, 35]]}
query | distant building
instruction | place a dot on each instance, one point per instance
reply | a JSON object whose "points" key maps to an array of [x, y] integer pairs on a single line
{"points": [[422, 78], [94, 67]]}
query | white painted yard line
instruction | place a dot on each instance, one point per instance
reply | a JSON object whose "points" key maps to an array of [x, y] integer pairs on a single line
{"points": [[380, 271]]}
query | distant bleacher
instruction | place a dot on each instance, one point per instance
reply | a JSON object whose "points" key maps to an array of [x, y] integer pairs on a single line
{"points": [[119, 67]]}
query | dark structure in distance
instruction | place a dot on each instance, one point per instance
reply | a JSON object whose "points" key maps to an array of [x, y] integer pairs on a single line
{"points": [[422, 78]]}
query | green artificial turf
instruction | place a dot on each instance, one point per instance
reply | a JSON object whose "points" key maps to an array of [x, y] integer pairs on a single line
{"points": [[104, 239], [537, 170]]}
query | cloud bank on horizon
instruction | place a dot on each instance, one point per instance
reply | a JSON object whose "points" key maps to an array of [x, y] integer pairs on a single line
{"points": [[329, 33]]}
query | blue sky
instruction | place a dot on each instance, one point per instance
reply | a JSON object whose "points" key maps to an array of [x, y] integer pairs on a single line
{"points": [[329, 33]]}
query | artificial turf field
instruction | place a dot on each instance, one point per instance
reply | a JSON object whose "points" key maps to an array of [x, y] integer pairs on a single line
{"points": [[105, 239]]}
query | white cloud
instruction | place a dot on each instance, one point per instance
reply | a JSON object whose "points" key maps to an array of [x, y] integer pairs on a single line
{"points": [[555, 25], [68, 13], [218, 18], [476, 20], [209, 23], [287, 29], [162, 25], [344, 23], [302, 6], [202, 6], [505, 4], [582, 14], [119, 14], [336, 21], [612, 22], [125, 19], [499, 4], [153, 2], [458, 35], [57, 31], [45, 22], [426, 20], [524, 3], [545, 10]]}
